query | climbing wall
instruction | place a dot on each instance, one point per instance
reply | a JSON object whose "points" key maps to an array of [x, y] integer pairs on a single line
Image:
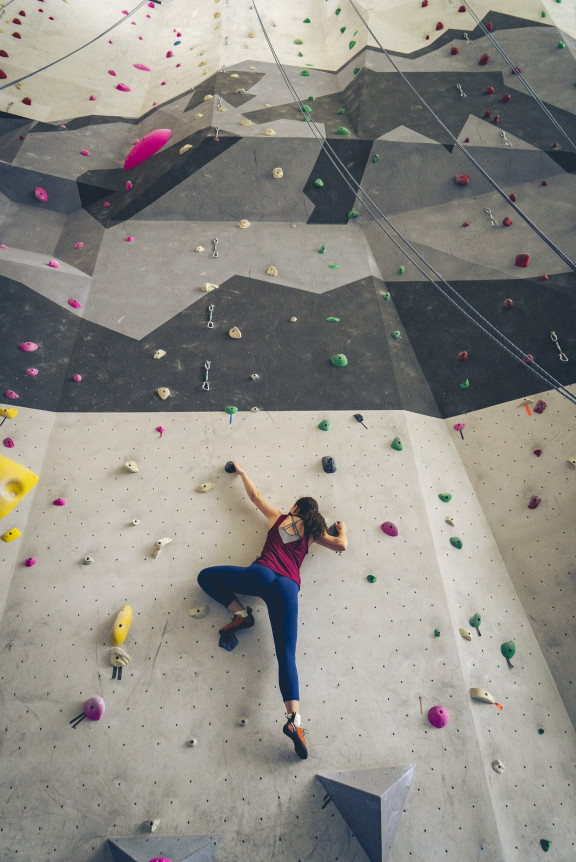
{"points": [[234, 295]]}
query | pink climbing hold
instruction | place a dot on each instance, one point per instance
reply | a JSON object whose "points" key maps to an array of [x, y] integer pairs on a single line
{"points": [[147, 147], [459, 426], [129, 239], [160, 430], [54, 264], [74, 303], [389, 528], [463, 356], [537, 452], [124, 88], [169, 54], [94, 708], [3, 246], [9, 443], [522, 260], [106, 204], [79, 245], [112, 72], [142, 67], [77, 378], [542, 278], [438, 716], [128, 186], [59, 501], [41, 194], [28, 346], [31, 561], [483, 59], [92, 98], [508, 303], [461, 179], [31, 372], [534, 501], [11, 394], [540, 406]]}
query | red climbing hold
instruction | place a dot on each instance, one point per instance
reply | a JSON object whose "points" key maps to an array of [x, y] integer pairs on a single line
{"points": [[488, 112], [542, 278], [427, 37], [489, 91], [527, 359], [537, 452], [454, 50], [439, 25], [517, 71], [466, 140], [461, 179], [512, 197], [522, 260], [26, 100], [496, 119], [17, 35], [489, 26], [540, 406], [483, 59], [4, 53], [465, 224], [543, 183], [424, 3], [507, 222], [17, 21], [22, 13], [462, 9], [3, 74], [506, 97], [508, 303], [463, 356]]}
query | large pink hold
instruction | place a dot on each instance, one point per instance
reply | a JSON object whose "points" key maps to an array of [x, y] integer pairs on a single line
{"points": [[74, 303], [11, 394], [389, 528], [123, 87], [160, 859], [41, 194], [150, 144], [59, 501], [438, 716], [28, 346], [142, 67], [31, 372], [94, 708], [54, 264]]}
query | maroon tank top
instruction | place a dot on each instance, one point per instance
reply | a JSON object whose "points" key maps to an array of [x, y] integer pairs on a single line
{"points": [[284, 559]]}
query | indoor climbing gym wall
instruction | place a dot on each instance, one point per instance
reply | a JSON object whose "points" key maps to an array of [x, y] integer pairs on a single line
{"points": [[334, 242]]}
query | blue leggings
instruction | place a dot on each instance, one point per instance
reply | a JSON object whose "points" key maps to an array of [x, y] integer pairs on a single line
{"points": [[281, 597]]}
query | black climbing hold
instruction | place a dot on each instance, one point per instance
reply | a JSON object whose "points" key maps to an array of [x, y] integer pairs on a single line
{"points": [[229, 467], [359, 418], [328, 464], [333, 530]]}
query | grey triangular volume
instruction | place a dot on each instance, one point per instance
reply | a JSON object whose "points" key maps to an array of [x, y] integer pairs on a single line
{"points": [[184, 848], [371, 802]]}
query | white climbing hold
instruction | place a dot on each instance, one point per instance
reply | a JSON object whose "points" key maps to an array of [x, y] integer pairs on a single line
{"points": [[234, 332], [185, 148], [498, 766], [87, 561], [205, 487], [152, 825], [450, 520], [271, 270], [277, 173], [242, 722], [119, 657], [572, 462], [159, 354], [161, 543], [480, 694], [199, 249], [163, 392], [293, 319], [135, 522], [207, 287], [269, 132], [199, 612], [254, 376], [465, 634], [192, 742], [244, 223], [132, 466]]}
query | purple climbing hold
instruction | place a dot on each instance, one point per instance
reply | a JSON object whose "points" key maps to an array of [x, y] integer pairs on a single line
{"points": [[534, 501], [389, 528], [438, 716], [540, 406]]}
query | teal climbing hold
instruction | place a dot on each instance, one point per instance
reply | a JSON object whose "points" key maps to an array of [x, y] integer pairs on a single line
{"points": [[508, 650], [386, 296], [342, 111], [306, 21], [545, 844], [353, 214], [319, 185], [298, 42], [371, 579], [357, 69], [342, 29], [401, 270], [333, 319], [351, 44], [231, 410], [436, 633], [322, 249], [475, 621], [339, 360], [342, 130], [561, 44], [333, 266], [324, 425], [456, 542], [397, 444], [465, 385], [305, 73], [311, 99], [375, 158], [445, 497], [395, 335], [540, 730]]}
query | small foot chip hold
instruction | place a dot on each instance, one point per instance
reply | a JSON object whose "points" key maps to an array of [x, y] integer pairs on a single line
{"points": [[465, 634], [449, 520], [498, 766], [161, 543], [163, 392], [159, 354], [242, 722], [205, 487], [269, 134], [484, 696], [572, 462], [277, 173], [234, 332], [199, 249], [208, 287], [87, 561], [132, 466], [192, 742], [465, 385], [199, 612], [151, 825]]}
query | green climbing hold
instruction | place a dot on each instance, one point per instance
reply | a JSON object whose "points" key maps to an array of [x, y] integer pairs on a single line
{"points": [[561, 44], [298, 42], [456, 542], [342, 111], [475, 621], [543, 15], [333, 266], [322, 249], [305, 118], [351, 44], [311, 99], [333, 319], [353, 214], [342, 29], [401, 270], [339, 360], [371, 579], [230, 410], [540, 730], [397, 444], [324, 425], [395, 335], [436, 633], [445, 497], [545, 844], [306, 21], [465, 385], [307, 109], [508, 650], [319, 185], [386, 296], [337, 12], [305, 73], [357, 69], [375, 158], [300, 54], [342, 130]]}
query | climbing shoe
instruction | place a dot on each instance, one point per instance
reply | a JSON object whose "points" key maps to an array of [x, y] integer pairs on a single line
{"points": [[296, 734], [239, 622]]}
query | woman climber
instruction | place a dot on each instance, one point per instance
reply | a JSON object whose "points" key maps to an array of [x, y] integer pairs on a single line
{"points": [[275, 578]]}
